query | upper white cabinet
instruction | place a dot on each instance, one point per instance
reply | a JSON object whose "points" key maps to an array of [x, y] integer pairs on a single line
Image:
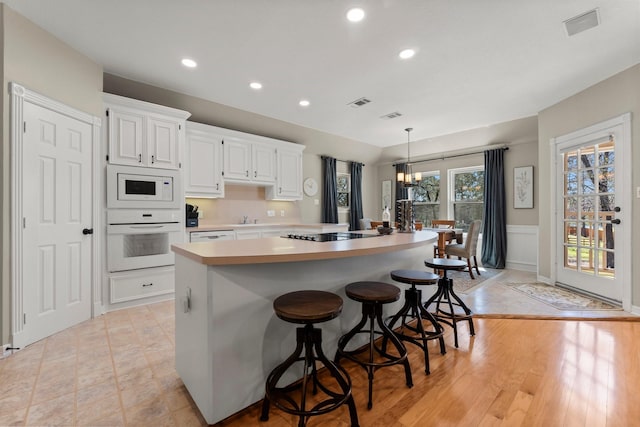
{"points": [[247, 161], [203, 162], [144, 134], [289, 174]]}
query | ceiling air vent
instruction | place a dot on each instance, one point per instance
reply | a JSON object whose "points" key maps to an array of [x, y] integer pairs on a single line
{"points": [[582, 22], [359, 102], [391, 115]]}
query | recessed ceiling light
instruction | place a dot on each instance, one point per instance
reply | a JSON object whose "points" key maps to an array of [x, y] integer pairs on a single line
{"points": [[355, 15], [190, 63], [407, 53], [304, 103], [255, 85]]}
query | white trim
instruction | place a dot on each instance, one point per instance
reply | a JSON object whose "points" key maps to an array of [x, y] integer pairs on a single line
{"points": [[522, 247], [635, 310], [20, 95], [451, 185], [621, 126]]}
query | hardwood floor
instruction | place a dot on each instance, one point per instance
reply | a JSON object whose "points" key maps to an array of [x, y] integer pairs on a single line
{"points": [[512, 373], [117, 369]]}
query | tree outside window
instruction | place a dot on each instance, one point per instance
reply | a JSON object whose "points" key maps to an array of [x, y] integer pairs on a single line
{"points": [[344, 191], [426, 198], [467, 195]]}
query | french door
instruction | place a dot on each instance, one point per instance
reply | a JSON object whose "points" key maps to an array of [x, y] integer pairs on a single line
{"points": [[592, 235]]}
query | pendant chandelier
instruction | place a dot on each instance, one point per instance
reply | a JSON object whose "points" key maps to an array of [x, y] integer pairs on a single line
{"points": [[408, 178]]}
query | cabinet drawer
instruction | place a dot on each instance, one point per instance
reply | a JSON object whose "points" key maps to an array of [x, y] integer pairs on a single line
{"points": [[132, 286]]}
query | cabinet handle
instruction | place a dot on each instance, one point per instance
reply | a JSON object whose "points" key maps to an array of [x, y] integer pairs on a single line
{"points": [[139, 158], [144, 285], [279, 190], [153, 159], [255, 174], [247, 174], [217, 186]]}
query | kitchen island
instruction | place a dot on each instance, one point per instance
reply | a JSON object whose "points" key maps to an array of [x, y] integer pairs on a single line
{"points": [[228, 338]]}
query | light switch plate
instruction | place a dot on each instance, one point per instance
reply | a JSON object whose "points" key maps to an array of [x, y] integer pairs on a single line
{"points": [[638, 192]]}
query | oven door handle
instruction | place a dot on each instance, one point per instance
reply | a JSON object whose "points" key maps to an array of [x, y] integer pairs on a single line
{"points": [[146, 226]]}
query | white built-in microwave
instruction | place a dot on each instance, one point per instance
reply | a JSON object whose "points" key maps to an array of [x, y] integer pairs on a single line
{"points": [[143, 188]]}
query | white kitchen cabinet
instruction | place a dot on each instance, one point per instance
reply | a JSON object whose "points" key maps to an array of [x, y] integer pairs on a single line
{"points": [[212, 236], [247, 161], [141, 284], [203, 162], [143, 134], [248, 234], [289, 174]]}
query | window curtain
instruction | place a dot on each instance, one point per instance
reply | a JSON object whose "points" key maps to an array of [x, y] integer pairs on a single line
{"points": [[329, 191], [355, 210], [402, 192], [494, 229]]}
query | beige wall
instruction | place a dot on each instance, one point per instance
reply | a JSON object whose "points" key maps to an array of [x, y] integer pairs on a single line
{"points": [[610, 98], [317, 143], [40, 62], [520, 135]]}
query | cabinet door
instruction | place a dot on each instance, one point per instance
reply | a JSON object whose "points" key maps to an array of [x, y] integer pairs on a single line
{"points": [[248, 234], [126, 137], [237, 160], [289, 183], [162, 143], [264, 163], [203, 168]]}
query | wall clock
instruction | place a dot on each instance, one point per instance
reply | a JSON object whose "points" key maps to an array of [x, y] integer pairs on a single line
{"points": [[310, 187]]}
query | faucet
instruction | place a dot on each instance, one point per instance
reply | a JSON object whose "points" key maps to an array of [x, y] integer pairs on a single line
{"points": [[245, 219]]}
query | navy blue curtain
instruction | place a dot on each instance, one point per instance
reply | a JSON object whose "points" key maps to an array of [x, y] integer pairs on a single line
{"points": [[494, 228], [402, 192], [355, 210], [329, 191]]}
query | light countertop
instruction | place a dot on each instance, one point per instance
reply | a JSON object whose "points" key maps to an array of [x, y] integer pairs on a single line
{"points": [[278, 249], [293, 226]]}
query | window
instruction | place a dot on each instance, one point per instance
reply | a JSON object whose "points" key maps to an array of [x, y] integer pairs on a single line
{"points": [[344, 191], [466, 189], [426, 198]]}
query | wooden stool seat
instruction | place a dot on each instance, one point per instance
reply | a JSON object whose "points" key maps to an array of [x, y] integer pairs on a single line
{"points": [[445, 296], [415, 277], [414, 310], [308, 306], [373, 292], [445, 264], [373, 295]]}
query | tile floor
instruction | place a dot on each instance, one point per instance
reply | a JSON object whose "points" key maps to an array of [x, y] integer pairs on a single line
{"points": [[118, 369]]}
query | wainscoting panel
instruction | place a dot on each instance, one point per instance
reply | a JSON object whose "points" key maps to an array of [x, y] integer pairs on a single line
{"points": [[522, 247]]}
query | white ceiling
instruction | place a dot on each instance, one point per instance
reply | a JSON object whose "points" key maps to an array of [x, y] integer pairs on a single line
{"points": [[478, 62]]}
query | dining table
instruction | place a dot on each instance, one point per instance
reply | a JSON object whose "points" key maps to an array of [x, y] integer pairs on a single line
{"points": [[445, 235]]}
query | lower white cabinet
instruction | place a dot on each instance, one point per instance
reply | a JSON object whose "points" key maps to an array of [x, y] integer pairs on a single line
{"points": [[138, 284], [248, 234]]}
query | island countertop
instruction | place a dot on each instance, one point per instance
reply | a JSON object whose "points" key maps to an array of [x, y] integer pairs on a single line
{"points": [[278, 249]]}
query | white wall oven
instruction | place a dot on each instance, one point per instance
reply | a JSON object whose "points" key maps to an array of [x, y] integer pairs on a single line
{"points": [[142, 238], [143, 188]]}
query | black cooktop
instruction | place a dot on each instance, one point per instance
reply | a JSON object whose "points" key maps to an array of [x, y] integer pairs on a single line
{"points": [[328, 237]]}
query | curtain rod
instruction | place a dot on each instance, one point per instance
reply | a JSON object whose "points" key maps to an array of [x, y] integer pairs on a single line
{"points": [[343, 161], [430, 159]]}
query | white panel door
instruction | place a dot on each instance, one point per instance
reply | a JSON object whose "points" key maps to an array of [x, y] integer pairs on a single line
{"points": [[57, 206], [203, 168], [126, 137], [237, 160], [264, 163], [289, 174]]}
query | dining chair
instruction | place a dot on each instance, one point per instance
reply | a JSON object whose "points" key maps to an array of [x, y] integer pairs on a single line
{"points": [[468, 248], [442, 223]]}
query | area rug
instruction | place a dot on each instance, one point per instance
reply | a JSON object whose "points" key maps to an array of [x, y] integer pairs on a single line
{"points": [[463, 283], [559, 298]]}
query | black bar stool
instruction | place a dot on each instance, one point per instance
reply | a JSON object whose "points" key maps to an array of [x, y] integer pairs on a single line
{"points": [[446, 296], [414, 310], [308, 308], [373, 295]]}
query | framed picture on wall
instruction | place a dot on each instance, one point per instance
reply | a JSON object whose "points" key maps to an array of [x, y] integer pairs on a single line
{"points": [[523, 187], [386, 194]]}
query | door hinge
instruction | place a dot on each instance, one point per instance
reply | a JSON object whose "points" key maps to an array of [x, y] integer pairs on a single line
{"points": [[24, 222], [24, 318], [107, 157], [179, 127], [107, 113], [222, 173], [24, 127], [180, 165]]}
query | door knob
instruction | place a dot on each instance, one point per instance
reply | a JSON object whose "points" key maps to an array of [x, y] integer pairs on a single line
{"points": [[615, 221], [87, 231], [616, 209]]}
